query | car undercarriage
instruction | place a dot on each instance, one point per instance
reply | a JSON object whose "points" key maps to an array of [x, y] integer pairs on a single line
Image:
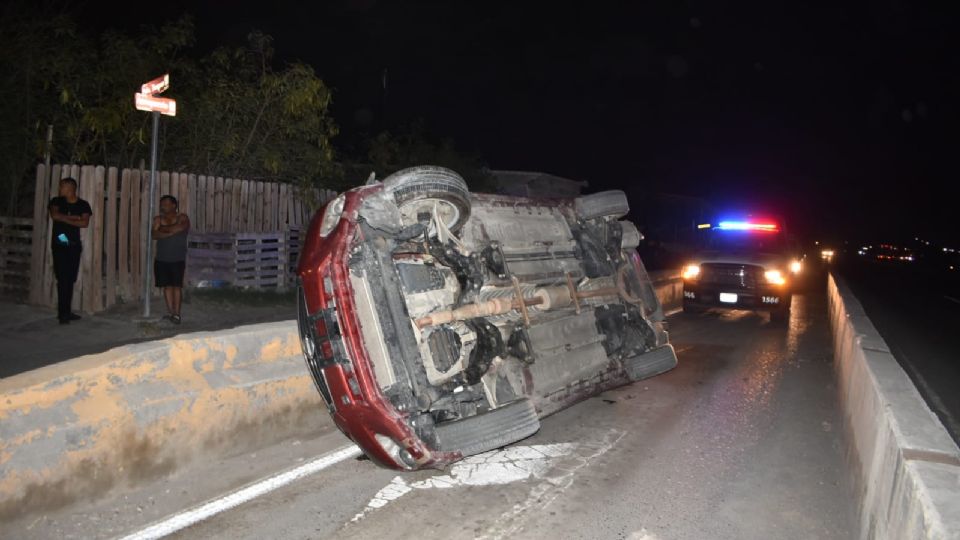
{"points": [[479, 314]]}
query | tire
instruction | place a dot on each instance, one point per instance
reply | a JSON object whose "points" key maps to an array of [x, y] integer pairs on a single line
{"points": [[606, 203], [650, 363], [416, 188], [490, 430]]}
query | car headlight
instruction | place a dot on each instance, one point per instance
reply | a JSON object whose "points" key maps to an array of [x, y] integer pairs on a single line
{"points": [[795, 267], [396, 452], [331, 215], [691, 271], [775, 277]]}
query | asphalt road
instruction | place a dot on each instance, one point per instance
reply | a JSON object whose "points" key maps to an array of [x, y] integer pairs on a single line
{"points": [[917, 311], [742, 440]]}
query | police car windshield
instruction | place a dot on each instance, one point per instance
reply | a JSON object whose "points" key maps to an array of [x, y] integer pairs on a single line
{"points": [[746, 241]]}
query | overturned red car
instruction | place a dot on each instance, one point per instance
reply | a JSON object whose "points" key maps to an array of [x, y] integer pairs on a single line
{"points": [[438, 324]]}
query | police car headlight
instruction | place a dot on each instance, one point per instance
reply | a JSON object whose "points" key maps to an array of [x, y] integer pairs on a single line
{"points": [[775, 277], [691, 271]]}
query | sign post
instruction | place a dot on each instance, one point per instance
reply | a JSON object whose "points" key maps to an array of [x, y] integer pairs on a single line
{"points": [[146, 100]]}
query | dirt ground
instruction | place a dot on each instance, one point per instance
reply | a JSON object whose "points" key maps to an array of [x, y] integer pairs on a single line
{"points": [[31, 337]]}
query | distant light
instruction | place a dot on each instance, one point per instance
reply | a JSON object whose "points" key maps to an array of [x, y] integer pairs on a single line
{"points": [[860, 252], [747, 226], [817, 242], [795, 267], [703, 226]]}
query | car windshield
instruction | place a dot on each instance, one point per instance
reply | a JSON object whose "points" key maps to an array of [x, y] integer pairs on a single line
{"points": [[746, 241]]}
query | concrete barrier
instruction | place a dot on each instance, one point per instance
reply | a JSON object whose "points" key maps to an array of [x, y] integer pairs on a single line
{"points": [[905, 465], [669, 289], [81, 427]]}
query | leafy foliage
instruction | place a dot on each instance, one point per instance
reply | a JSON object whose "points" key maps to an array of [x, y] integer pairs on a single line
{"points": [[388, 153], [238, 115]]}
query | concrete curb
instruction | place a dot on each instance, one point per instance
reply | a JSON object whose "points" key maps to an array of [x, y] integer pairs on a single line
{"points": [[81, 427], [906, 466]]}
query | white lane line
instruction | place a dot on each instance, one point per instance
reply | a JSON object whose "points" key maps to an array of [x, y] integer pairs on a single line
{"points": [[197, 514], [952, 299]]}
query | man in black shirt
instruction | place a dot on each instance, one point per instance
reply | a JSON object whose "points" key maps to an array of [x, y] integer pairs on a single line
{"points": [[69, 214]]}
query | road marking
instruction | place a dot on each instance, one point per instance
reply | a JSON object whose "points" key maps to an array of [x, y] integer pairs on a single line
{"points": [[553, 484], [952, 299], [497, 467], [551, 466], [197, 514]]}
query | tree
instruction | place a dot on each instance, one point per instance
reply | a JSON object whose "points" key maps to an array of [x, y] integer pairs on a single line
{"points": [[245, 119], [388, 153], [237, 114]]}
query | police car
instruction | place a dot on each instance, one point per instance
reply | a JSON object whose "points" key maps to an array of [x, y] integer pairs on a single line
{"points": [[743, 264]]}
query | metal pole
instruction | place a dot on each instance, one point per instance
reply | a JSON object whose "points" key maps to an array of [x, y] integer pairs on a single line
{"points": [[149, 217]]}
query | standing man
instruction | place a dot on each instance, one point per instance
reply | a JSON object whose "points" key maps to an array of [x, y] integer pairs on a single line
{"points": [[69, 214], [170, 230]]}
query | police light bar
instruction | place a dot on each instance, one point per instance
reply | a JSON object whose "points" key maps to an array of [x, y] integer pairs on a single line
{"points": [[747, 226]]}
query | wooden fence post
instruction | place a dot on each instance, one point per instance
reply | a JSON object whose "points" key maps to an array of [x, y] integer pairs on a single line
{"points": [[39, 239]]}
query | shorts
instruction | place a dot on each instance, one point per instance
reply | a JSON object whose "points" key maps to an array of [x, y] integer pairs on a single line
{"points": [[169, 274]]}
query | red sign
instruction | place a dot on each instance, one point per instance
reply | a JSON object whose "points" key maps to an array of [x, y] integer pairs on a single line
{"points": [[161, 105], [156, 86]]}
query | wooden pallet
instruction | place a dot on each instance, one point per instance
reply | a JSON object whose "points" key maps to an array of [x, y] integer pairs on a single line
{"points": [[248, 260], [15, 254]]}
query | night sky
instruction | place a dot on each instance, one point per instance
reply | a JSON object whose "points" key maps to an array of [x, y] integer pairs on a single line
{"points": [[841, 119]]}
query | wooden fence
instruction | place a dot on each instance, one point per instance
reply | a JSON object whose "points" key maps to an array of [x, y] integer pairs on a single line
{"points": [[15, 238], [113, 264]]}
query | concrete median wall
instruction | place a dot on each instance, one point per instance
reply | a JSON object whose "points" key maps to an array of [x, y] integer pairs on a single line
{"points": [[669, 289], [905, 465], [81, 427]]}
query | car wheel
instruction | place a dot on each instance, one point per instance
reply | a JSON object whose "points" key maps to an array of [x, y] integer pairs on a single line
{"points": [[650, 363], [490, 430], [606, 203], [421, 189]]}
